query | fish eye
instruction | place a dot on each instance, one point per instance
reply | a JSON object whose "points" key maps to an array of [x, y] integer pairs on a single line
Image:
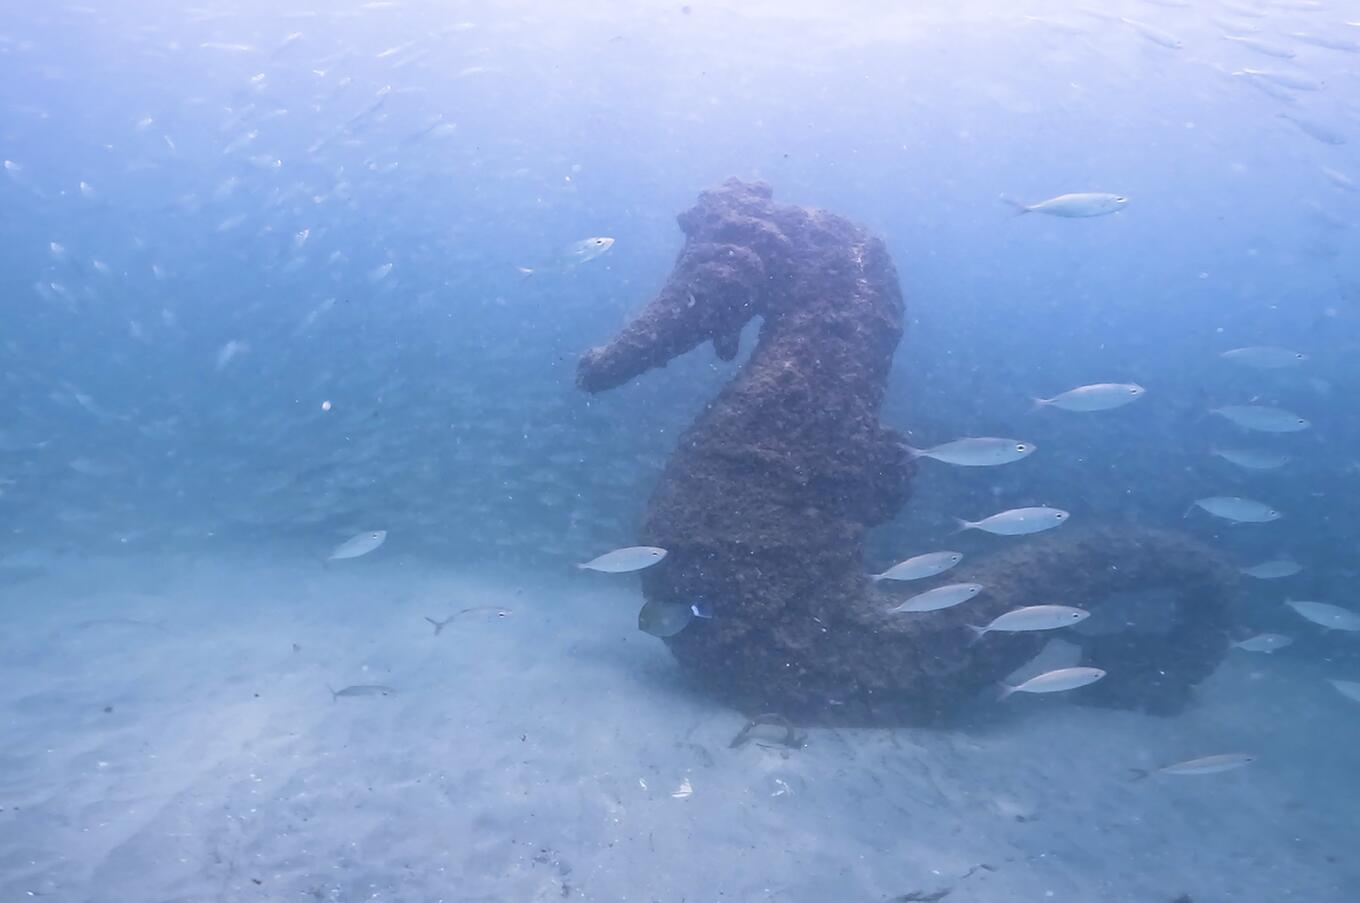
{"points": [[1021, 446], [1121, 200]]}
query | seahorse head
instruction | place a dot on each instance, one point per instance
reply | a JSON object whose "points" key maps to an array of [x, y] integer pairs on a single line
{"points": [[724, 276]]}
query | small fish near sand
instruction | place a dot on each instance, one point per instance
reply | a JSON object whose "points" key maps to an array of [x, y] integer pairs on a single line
{"points": [[589, 248], [622, 561], [982, 451], [1262, 418], [358, 545], [1273, 570], [1032, 617], [1072, 206], [1251, 458], [361, 690], [1333, 617], [1265, 357], [1095, 397], [1238, 510], [1348, 688], [1055, 681], [939, 598], [1017, 521], [664, 619], [1263, 642], [921, 566], [1266, 48], [1155, 35], [772, 727], [575, 254], [1203, 765], [488, 611]]}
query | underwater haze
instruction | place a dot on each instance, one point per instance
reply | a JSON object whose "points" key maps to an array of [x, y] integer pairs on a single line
{"points": [[297, 478]]}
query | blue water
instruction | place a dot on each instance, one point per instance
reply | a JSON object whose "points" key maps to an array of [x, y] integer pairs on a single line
{"points": [[259, 277]]}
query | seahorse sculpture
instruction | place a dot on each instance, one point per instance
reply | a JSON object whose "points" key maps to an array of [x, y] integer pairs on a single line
{"points": [[765, 505]]}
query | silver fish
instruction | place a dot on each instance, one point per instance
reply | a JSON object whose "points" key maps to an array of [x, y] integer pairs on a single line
{"points": [[663, 619], [1348, 688], [1251, 458], [940, 597], [1283, 79], [1262, 418], [621, 561], [982, 451], [1205, 765], [359, 544], [485, 610], [1340, 179], [921, 566], [1273, 570], [1095, 397], [1155, 35], [1238, 510], [1055, 681], [1263, 642], [1345, 45], [1265, 357], [1033, 617], [1315, 130], [1263, 47], [589, 249], [361, 690], [1080, 204], [1333, 617], [1017, 521]]}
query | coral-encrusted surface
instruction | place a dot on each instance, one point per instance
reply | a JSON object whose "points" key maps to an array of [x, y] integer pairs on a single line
{"points": [[765, 503]]}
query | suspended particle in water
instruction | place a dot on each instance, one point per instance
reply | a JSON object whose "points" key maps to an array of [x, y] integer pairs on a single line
{"points": [[325, 405]]}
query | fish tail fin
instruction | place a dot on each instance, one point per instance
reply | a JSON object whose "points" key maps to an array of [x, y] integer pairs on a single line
{"points": [[334, 695], [914, 452], [1139, 773], [1036, 403], [1003, 691], [1019, 208], [960, 525], [1189, 510], [437, 626], [875, 577], [526, 272], [978, 633]]}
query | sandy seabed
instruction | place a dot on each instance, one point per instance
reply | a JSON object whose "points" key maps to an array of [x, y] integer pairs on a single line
{"points": [[164, 740]]}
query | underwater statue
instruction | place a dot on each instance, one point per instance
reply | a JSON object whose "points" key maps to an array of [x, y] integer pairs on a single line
{"points": [[766, 502]]}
